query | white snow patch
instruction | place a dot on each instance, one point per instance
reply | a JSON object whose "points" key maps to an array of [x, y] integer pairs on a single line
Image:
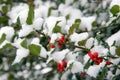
{"points": [[59, 56], [8, 31], [20, 54]]}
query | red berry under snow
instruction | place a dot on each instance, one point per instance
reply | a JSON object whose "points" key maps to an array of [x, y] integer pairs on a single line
{"points": [[52, 46], [94, 57], [82, 74], [61, 65], [61, 39], [108, 62]]}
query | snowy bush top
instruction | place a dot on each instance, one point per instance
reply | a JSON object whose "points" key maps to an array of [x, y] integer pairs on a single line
{"points": [[75, 36]]}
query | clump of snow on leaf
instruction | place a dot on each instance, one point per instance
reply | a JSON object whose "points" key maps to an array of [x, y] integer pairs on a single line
{"points": [[8, 31], [20, 54], [75, 37]]}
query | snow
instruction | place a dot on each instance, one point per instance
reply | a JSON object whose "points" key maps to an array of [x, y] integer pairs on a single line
{"points": [[100, 49], [93, 71], [43, 52], [26, 30], [35, 41], [86, 58], [75, 37], [68, 2], [50, 24], [17, 10], [17, 43], [37, 24], [115, 2], [89, 43], [112, 38], [115, 61], [4, 76], [37, 67], [60, 55], [112, 50], [71, 56], [77, 67], [4, 43], [110, 75], [54, 36], [20, 54], [46, 70], [68, 10], [86, 23], [43, 22], [8, 31]]}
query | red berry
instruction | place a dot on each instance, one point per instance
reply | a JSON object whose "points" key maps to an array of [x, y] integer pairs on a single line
{"points": [[108, 62], [95, 54], [97, 63], [90, 55], [64, 63], [95, 57], [62, 40], [100, 60], [52, 46], [49, 40], [82, 74], [60, 45], [61, 65]]}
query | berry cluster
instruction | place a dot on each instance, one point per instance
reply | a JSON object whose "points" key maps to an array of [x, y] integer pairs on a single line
{"points": [[95, 58], [61, 65]]}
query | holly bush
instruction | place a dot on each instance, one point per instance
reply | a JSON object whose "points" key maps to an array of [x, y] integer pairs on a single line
{"points": [[59, 39]]}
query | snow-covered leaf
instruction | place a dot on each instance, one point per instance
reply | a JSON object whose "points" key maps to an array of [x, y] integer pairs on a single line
{"points": [[77, 67], [89, 43], [8, 31], [74, 26], [2, 38], [20, 54], [59, 56]]}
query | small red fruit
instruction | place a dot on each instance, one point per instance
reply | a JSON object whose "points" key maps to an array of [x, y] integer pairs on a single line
{"points": [[108, 62], [82, 74], [94, 57], [61, 39], [52, 46], [48, 40], [64, 63], [60, 45], [61, 65]]}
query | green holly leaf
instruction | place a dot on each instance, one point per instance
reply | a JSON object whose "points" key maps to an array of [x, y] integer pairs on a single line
{"points": [[103, 73], [30, 17], [56, 29], [118, 51], [2, 38], [3, 19], [87, 65], [115, 9], [74, 26], [34, 49], [24, 43], [49, 11], [82, 43], [4, 9], [7, 45]]}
